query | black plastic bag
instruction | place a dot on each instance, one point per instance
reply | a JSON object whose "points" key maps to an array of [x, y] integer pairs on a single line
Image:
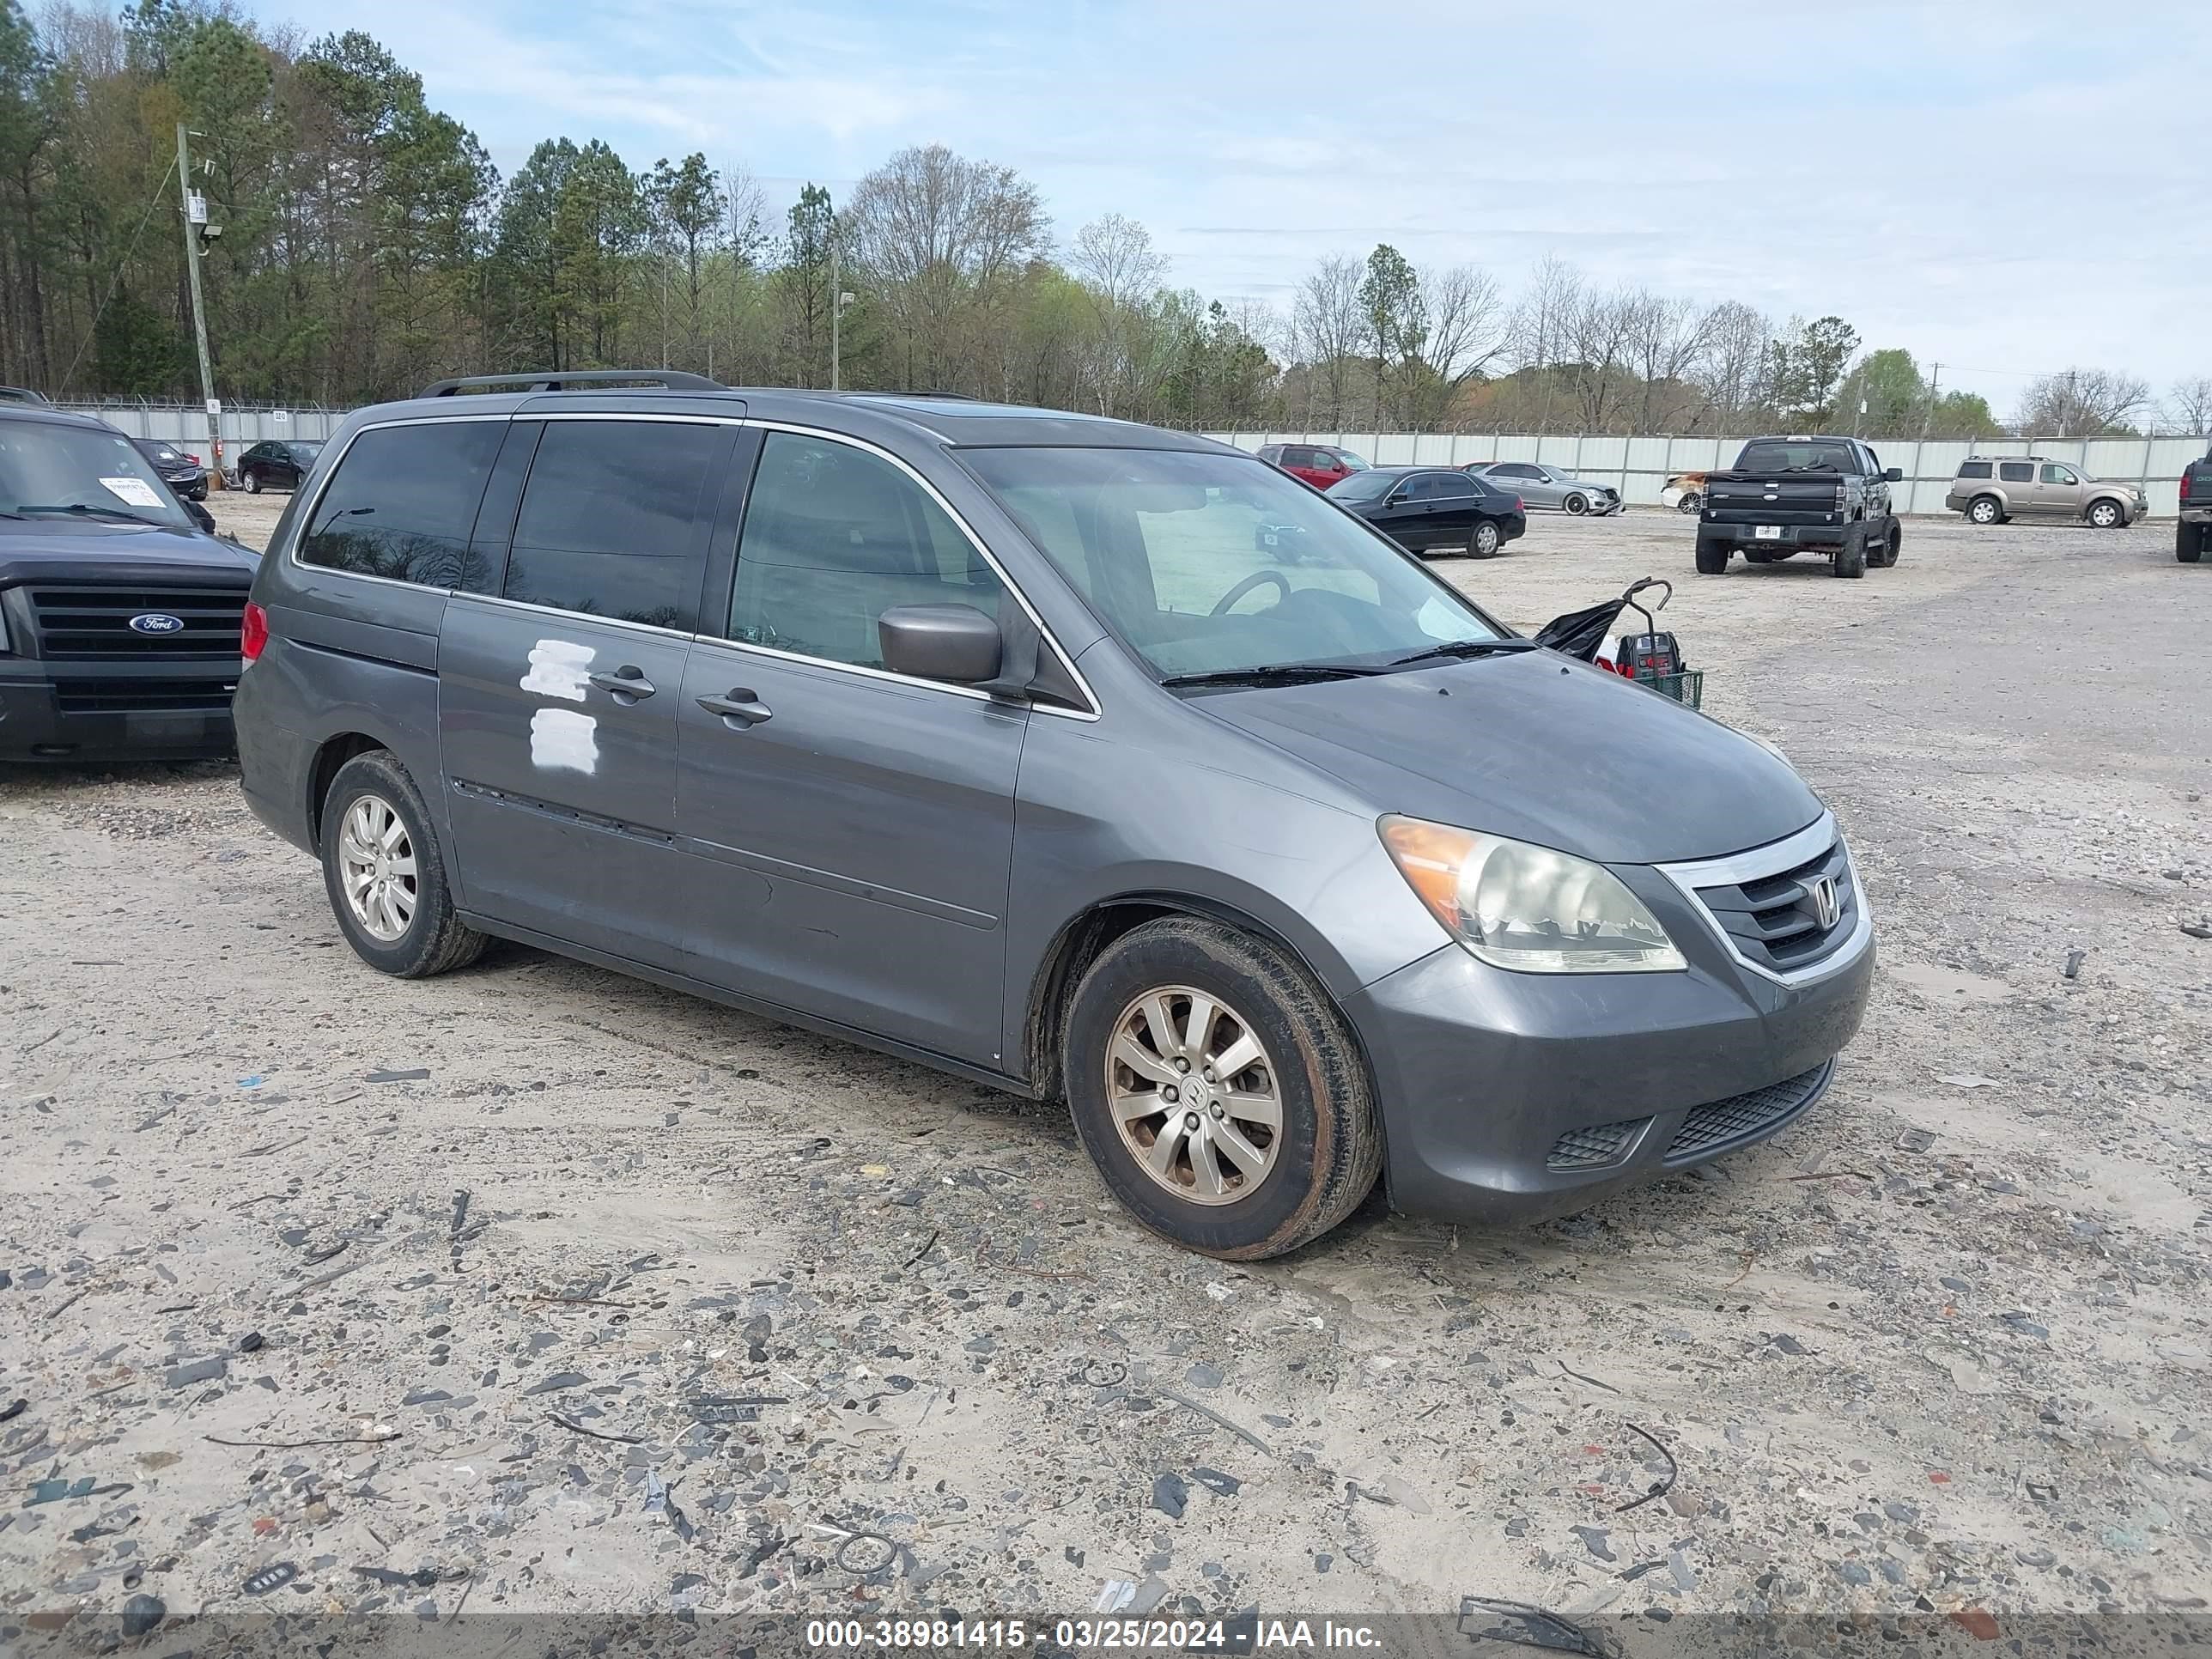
{"points": [[1580, 633]]}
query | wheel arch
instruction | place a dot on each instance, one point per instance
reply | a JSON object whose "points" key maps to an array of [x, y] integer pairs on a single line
{"points": [[1085, 935], [331, 754]]}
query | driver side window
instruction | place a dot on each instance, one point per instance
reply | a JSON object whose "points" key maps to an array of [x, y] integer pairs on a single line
{"points": [[834, 537]]}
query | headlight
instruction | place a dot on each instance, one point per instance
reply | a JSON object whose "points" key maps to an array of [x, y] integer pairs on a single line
{"points": [[1527, 907]]}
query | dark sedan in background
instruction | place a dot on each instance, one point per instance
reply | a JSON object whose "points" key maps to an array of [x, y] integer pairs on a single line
{"points": [[1429, 509], [276, 464], [181, 472]]}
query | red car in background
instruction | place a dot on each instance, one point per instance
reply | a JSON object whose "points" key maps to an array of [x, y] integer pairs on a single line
{"points": [[1319, 464]]}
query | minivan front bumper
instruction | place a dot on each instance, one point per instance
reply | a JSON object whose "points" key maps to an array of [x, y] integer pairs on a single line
{"points": [[1512, 1097]]}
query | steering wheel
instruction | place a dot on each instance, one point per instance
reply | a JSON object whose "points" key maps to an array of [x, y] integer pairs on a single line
{"points": [[1258, 578]]}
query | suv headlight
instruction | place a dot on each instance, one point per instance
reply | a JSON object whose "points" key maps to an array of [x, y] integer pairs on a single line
{"points": [[1528, 909]]}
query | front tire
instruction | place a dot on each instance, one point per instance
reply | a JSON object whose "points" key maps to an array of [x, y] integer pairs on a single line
{"points": [[2106, 515], [1217, 1090], [2190, 540], [253, 482], [1690, 501], [1576, 503], [1712, 556], [385, 874], [1985, 510]]}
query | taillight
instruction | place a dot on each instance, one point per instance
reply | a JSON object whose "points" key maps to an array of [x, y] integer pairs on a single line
{"points": [[194, 460], [1517, 506], [252, 632]]}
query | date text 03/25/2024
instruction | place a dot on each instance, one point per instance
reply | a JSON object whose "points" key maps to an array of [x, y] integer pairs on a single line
{"points": [[1080, 1635]]}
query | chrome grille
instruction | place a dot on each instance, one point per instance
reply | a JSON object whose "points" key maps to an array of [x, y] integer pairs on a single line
{"points": [[1715, 1126], [1775, 922]]}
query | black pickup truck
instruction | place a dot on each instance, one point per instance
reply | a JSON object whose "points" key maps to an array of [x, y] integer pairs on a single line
{"points": [[2192, 536], [1828, 496], [119, 617]]}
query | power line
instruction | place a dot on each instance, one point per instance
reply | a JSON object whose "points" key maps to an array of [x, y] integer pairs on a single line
{"points": [[151, 202]]}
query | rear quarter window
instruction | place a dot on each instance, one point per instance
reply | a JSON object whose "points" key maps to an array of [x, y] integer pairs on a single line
{"points": [[401, 503], [1974, 469]]}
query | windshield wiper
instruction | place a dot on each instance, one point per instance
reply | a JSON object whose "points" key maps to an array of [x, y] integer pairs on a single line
{"points": [[1280, 673], [84, 510], [1465, 649]]}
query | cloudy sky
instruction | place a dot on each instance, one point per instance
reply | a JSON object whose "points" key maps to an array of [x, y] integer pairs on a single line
{"points": [[2006, 188]]}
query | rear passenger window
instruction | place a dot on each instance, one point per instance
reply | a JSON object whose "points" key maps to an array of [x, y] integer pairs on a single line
{"points": [[612, 521], [2016, 472], [1974, 469], [401, 502], [834, 537]]}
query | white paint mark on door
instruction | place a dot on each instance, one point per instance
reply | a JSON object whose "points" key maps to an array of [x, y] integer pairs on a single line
{"points": [[558, 669], [564, 741]]}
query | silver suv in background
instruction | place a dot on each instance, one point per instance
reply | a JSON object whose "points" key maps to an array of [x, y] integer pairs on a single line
{"points": [[1992, 489], [1000, 738]]}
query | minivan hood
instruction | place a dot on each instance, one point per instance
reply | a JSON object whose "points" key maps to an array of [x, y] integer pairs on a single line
{"points": [[1538, 747]]}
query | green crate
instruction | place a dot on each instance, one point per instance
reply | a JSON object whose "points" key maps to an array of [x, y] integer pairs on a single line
{"points": [[1688, 686]]}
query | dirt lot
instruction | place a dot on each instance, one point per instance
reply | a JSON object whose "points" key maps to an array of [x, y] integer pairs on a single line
{"points": [[572, 1295]]}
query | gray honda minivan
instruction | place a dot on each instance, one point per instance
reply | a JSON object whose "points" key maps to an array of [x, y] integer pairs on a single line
{"points": [[1015, 742]]}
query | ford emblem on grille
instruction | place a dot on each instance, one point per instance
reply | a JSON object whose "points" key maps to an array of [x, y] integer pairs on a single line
{"points": [[156, 622]]}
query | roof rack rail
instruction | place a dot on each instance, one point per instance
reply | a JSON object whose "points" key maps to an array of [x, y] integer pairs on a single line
{"points": [[577, 379], [949, 396]]}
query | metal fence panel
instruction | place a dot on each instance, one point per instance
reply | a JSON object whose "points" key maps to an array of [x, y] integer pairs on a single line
{"points": [[185, 424]]}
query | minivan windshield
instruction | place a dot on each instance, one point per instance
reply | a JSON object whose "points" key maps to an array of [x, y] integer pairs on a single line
{"points": [[50, 472], [1213, 565]]}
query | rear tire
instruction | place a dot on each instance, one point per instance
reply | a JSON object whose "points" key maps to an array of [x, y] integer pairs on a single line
{"points": [[2189, 542], [1712, 556], [1893, 546], [2106, 515], [1851, 557], [1324, 1153], [432, 939], [1577, 504], [1985, 510], [1484, 541]]}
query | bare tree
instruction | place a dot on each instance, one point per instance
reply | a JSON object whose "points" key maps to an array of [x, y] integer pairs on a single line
{"points": [[1595, 353], [1536, 335], [1731, 373], [2082, 403], [2189, 405], [1330, 326], [1665, 339], [1121, 272], [1467, 335], [942, 239]]}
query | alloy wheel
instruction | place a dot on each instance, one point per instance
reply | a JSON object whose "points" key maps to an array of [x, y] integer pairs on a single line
{"points": [[376, 865], [1194, 1096]]}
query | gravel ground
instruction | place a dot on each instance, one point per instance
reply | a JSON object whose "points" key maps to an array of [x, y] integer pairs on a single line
{"points": [[543, 1288]]}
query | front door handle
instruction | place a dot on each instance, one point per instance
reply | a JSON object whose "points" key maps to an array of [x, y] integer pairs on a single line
{"points": [[626, 684], [740, 709]]}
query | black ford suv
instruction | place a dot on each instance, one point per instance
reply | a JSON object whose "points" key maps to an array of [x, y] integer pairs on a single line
{"points": [[2193, 534], [1828, 496], [118, 617]]}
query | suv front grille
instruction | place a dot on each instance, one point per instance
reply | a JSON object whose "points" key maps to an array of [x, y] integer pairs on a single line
{"points": [[80, 622], [137, 697], [1775, 921], [1715, 1128]]}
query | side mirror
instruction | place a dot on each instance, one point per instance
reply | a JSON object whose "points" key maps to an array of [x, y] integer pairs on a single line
{"points": [[1893, 475], [1394, 498], [201, 516], [955, 643]]}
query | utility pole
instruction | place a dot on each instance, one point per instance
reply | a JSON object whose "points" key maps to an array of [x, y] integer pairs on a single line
{"points": [[836, 309], [196, 222]]}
